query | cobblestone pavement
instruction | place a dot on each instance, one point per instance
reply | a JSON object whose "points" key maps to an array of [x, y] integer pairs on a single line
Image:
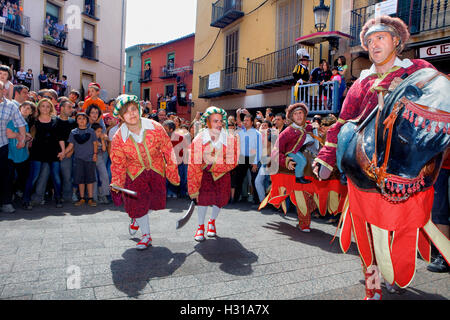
{"points": [[87, 253]]}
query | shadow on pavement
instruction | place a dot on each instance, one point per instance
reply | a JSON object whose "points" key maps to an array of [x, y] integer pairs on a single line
{"points": [[132, 273], [233, 257], [316, 237]]}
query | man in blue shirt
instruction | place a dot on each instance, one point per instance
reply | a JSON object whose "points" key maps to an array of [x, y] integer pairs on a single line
{"points": [[8, 112], [250, 155]]}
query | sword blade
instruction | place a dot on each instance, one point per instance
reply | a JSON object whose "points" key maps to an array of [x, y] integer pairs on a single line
{"points": [[127, 191], [187, 216]]}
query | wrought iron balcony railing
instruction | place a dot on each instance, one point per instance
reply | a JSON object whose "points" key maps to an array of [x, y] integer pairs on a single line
{"points": [[224, 82], [273, 69], [19, 24], [225, 12], [419, 15], [321, 99], [167, 71]]}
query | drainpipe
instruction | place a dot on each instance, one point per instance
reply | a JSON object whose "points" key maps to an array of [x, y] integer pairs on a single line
{"points": [[122, 41], [331, 28]]}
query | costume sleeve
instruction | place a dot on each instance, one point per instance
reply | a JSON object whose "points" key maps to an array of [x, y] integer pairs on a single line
{"points": [[195, 164], [229, 159], [350, 110], [118, 162], [170, 159]]}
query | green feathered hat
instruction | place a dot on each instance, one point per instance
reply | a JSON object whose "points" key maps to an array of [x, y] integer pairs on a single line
{"points": [[123, 100], [211, 110]]}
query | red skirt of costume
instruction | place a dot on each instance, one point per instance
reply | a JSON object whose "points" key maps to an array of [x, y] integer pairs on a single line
{"points": [[214, 193], [327, 196], [151, 189], [390, 235]]}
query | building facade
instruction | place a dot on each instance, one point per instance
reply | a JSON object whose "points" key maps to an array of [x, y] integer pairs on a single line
{"points": [[133, 74], [166, 71], [70, 38], [246, 51]]}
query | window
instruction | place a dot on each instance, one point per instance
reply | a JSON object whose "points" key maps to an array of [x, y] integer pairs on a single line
{"points": [[51, 63], [171, 60], [146, 94], [288, 23], [231, 50], [89, 47], [130, 62], [169, 90]]}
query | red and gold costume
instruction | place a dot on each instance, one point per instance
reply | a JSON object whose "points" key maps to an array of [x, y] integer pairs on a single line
{"points": [[143, 167], [388, 235], [327, 196]]}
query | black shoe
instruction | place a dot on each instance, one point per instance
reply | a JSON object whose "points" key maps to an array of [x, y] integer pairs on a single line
{"points": [[302, 180], [438, 265], [59, 203], [27, 206]]}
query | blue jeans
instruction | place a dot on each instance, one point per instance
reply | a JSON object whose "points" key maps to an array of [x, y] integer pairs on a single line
{"points": [[262, 182], [35, 169], [300, 161], [66, 177]]}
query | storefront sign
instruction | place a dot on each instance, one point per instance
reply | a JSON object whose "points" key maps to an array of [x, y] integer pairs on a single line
{"points": [[435, 51]]}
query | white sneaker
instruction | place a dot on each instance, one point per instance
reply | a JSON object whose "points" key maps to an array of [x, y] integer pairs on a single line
{"points": [[74, 197], [145, 242], [8, 208]]}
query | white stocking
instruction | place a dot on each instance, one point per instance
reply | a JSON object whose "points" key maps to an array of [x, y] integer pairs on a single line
{"points": [[201, 210], [144, 224], [215, 212]]}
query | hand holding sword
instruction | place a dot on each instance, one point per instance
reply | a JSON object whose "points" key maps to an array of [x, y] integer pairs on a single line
{"points": [[117, 197]]}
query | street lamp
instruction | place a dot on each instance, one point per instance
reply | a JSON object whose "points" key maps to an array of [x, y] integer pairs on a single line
{"points": [[321, 16]]}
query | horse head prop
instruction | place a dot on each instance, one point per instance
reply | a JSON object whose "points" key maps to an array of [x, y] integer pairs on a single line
{"points": [[399, 151]]}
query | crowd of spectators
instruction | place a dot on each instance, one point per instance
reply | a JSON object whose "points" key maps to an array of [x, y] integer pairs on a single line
{"points": [[55, 32], [11, 11]]}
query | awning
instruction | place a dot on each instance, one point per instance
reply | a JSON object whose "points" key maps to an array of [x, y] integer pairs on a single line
{"points": [[318, 37]]}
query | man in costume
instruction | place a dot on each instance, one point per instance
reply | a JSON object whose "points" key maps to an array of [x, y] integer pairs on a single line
{"points": [[301, 72], [212, 155], [384, 38], [142, 157]]}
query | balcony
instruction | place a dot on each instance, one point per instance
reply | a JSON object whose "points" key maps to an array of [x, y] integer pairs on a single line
{"points": [[91, 10], [225, 12], [272, 70], [90, 50], [168, 72], [323, 99], [55, 35], [419, 15], [19, 24], [147, 76], [224, 82]]}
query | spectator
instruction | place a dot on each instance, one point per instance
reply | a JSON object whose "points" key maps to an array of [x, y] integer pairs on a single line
{"points": [[6, 76], [94, 97], [63, 36], [103, 178], [21, 76], [74, 95], [20, 93], [8, 112], [280, 122], [250, 155], [19, 158], [262, 180], [110, 106], [162, 116], [337, 77], [63, 86], [43, 81], [29, 78], [83, 142], [323, 76], [95, 116], [65, 124], [315, 73], [47, 147]]}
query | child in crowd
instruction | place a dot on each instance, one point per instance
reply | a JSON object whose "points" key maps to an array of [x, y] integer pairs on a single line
{"points": [[103, 177], [83, 141], [94, 97]]}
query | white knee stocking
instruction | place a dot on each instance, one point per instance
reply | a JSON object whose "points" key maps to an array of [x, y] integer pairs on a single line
{"points": [[215, 212], [144, 224], [201, 210]]}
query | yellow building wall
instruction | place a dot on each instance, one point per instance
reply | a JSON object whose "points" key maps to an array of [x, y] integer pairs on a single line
{"points": [[257, 37]]}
